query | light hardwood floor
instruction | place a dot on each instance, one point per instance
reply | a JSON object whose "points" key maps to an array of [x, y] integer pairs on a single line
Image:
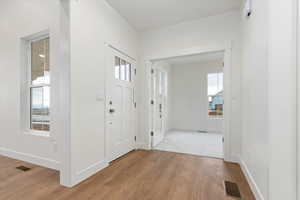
{"points": [[140, 175]]}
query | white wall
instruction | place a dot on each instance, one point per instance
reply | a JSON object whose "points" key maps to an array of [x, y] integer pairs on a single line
{"points": [[255, 137], [188, 97], [268, 99], [202, 33], [282, 98], [93, 23], [19, 19]]}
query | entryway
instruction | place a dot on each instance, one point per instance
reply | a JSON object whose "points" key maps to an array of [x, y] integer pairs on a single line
{"points": [[187, 104]]}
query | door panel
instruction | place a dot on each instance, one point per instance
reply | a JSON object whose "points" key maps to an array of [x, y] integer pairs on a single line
{"points": [[126, 131], [119, 105]]}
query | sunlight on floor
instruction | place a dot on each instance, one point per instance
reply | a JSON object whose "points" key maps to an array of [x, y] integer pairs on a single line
{"points": [[203, 144]]}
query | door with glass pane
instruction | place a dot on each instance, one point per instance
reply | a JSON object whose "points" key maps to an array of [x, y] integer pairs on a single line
{"points": [[120, 101]]}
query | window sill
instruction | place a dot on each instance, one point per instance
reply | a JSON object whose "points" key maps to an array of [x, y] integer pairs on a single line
{"points": [[37, 133], [216, 118]]}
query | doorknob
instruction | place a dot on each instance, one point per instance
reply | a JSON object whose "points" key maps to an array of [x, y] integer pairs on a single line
{"points": [[111, 110]]}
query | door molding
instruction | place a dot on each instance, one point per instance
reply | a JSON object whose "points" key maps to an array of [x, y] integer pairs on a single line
{"points": [[227, 49]]}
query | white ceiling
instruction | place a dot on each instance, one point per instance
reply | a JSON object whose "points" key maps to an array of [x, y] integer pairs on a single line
{"points": [[148, 14], [200, 58]]}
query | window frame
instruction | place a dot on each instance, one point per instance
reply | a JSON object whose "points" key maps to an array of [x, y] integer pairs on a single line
{"points": [[27, 117]]}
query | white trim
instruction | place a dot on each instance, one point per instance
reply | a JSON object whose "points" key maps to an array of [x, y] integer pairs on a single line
{"points": [[62, 105], [89, 171], [227, 48], [235, 158], [191, 51], [141, 145], [37, 133], [37, 36], [149, 77], [298, 98], [254, 187], [227, 106], [120, 51], [37, 160]]}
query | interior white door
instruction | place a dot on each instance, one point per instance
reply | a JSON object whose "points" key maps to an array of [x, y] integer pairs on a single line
{"points": [[120, 131], [160, 105]]}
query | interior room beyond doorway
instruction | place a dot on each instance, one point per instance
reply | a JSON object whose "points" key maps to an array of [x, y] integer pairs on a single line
{"points": [[188, 104]]}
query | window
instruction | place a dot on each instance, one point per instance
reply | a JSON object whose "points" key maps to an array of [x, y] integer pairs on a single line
{"points": [[215, 94], [128, 71], [160, 83], [122, 69], [117, 67], [38, 84]]}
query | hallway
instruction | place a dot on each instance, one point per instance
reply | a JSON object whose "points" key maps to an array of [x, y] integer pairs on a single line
{"points": [[139, 175], [149, 100], [195, 143]]}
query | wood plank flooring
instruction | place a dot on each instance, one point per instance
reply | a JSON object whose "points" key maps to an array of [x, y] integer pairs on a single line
{"points": [[140, 175]]}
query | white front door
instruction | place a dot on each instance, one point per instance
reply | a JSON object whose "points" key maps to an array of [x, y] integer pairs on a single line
{"points": [[120, 131]]}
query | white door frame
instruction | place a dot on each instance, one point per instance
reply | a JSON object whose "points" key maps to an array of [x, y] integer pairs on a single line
{"points": [[227, 48], [298, 98], [109, 47]]}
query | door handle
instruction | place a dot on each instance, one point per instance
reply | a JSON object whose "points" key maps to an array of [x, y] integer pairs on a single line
{"points": [[111, 110]]}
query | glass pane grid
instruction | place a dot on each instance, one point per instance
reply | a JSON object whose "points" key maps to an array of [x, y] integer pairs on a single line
{"points": [[122, 69], [40, 68], [40, 108]]}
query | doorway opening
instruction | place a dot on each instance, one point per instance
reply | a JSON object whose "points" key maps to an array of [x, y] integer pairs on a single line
{"points": [[187, 111]]}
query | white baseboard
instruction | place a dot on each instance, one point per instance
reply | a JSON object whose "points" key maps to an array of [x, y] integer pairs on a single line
{"points": [[255, 189], [37, 160], [89, 171], [140, 145], [234, 159]]}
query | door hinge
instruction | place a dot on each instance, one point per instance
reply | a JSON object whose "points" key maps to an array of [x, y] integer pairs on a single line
{"points": [[152, 133], [152, 71], [135, 104], [134, 138], [134, 71], [223, 139], [152, 102]]}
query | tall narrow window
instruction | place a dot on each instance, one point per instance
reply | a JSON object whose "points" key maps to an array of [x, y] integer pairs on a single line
{"points": [[39, 84], [215, 94]]}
